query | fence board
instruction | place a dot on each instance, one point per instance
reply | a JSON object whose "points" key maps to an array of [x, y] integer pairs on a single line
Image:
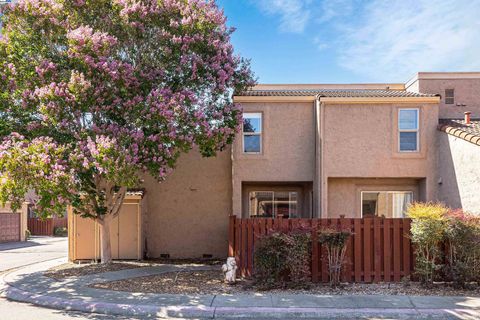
{"points": [[45, 227], [380, 249]]}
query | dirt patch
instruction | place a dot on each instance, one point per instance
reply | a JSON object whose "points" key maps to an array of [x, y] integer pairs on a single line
{"points": [[211, 282], [68, 270]]}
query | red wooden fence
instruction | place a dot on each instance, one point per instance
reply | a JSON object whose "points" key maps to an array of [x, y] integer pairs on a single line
{"points": [[45, 227], [378, 251]]}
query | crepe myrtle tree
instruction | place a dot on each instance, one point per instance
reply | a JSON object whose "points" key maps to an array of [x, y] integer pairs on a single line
{"points": [[96, 93]]}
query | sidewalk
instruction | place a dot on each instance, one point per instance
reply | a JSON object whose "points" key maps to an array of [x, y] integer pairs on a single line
{"points": [[29, 285]]}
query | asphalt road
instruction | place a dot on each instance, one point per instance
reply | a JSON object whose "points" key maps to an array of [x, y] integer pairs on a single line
{"points": [[17, 254]]}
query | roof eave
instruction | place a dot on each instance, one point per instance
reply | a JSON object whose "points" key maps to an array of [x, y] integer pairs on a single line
{"points": [[337, 100]]}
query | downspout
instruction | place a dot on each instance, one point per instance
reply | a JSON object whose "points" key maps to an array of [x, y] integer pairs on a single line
{"points": [[317, 193]]}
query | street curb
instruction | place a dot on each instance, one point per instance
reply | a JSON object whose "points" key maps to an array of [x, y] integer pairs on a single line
{"points": [[10, 291], [139, 310]]}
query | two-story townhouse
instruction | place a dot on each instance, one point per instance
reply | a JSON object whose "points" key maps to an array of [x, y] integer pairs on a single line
{"points": [[323, 151]]}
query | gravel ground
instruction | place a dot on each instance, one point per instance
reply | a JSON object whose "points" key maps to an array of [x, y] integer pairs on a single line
{"points": [[211, 282], [68, 270]]}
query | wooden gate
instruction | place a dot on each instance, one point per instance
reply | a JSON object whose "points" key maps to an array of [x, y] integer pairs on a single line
{"points": [[378, 251]]}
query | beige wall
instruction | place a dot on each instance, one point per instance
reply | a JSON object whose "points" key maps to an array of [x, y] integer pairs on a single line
{"points": [[288, 143], [459, 170], [466, 92], [361, 141], [187, 214], [344, 194]]}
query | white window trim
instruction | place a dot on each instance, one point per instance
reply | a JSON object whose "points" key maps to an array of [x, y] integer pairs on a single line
{"points": [[260, 134], [375, 191], [409, 130]]}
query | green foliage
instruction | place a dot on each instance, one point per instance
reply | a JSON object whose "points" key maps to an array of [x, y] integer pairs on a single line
{"points": [[428, 228], [463, 242], [60, 232], [282, 259], [335, 241]]}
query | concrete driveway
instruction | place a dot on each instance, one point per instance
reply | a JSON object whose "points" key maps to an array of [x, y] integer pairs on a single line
{"points": [[37, 249]]}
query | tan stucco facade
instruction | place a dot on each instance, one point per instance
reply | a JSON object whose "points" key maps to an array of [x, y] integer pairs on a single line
{"points": [[326, 150], [465, 84], [288, 150], [352, 149], [187, 215], [459, 173]]}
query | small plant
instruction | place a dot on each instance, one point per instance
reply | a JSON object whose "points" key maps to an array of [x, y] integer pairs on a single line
{"points": [[282, 259], [428, 228], [28, 234], [60, 231], [335, 241], [463, 243]]}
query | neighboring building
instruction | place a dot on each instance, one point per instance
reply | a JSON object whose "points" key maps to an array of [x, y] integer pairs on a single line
{"points": [[324, 151]]}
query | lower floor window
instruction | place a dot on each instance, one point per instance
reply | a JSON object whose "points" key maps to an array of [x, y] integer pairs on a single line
{"points": [[273, 204], [389, 204]]}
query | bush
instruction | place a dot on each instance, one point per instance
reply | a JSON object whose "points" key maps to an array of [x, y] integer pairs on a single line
{"points": [[28, 234], [428, 229], [463, 243], [60, 232], [335, 241], [282, 259]]}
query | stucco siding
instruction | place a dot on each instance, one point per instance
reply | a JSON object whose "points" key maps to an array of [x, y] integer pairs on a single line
{"points": [[187, 215], [459, 171], [466, 93], [344, 194], [362, 141], [288, 148]]}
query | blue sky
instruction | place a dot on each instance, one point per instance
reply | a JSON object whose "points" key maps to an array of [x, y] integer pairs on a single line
{"points": [[351, 41]]}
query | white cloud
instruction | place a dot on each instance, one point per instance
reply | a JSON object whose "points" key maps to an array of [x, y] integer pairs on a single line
{"points": [[294, 14], [393, 40]]}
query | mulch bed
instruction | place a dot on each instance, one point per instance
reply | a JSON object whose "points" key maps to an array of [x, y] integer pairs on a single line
{"points": [[68, 270], [211, 282]]}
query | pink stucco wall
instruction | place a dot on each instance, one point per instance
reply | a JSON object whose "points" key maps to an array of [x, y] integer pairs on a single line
{"points": [[288, 152], [361, 141]]}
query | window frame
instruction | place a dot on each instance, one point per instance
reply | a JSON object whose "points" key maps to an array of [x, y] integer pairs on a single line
{"points": [[417, 130], [274, 211], [376, 191], [260, 134], [450, 97]]}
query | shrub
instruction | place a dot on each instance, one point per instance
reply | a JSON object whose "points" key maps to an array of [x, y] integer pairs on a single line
{"points": [[463, 243], [335, 241], [282, 259], [428, 228], [60, 231], [28, 234]]}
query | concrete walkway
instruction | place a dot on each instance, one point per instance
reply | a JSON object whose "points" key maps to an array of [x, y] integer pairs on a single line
{"points": [[29, 285]]}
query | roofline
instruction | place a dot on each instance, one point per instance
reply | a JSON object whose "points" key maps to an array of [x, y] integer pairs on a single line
{"points": [[308, 86], [337, 100], [459, 133], [442, 76]]}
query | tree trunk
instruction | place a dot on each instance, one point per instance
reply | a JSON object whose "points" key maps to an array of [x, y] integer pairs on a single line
{"points": [[105, 246], [114, 202]]}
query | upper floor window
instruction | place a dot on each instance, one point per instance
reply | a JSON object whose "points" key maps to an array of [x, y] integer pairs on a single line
{"points": [[449, 96], [252, 132], [408, 130]]}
